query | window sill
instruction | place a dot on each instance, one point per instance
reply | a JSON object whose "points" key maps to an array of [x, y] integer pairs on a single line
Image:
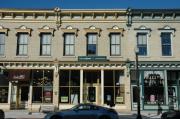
{"points": [[167, 56], [144, 56], [45, 56], [21, 56], [115, 56], [2, 56], [69, 57]]}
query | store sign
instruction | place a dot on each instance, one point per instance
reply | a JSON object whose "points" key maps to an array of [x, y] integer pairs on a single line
{"points": [[19, 75], [64, 98], [120, 99]]}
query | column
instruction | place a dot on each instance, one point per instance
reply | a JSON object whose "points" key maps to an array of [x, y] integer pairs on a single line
{"points": [[9, 93], [166, 87], [30, 98], [102, 87], [81, 86], [127, 86], [56, 88]]}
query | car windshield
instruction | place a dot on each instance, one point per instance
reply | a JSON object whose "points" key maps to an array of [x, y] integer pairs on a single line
{"points": [[84, 107], [75, 107]]}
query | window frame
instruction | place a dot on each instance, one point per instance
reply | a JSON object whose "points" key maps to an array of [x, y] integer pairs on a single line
{"points": [[69, 45], [171, 50], [20, 45], [116, 45], [96, 44], [142, 45], [2, 45], [45, 44]]}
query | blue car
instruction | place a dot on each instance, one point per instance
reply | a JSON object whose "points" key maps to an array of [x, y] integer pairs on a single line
{"points": [[84, 111]]}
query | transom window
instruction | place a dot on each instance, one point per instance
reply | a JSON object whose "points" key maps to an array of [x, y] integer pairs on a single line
{"points": [[91, 44], [2, 43], [22, 44], [45, 48], [69, 44], [166, 44], [115, 44], [142, 43]]}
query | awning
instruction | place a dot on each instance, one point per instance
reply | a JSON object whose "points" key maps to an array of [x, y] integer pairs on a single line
{"points": [[19, 75]]}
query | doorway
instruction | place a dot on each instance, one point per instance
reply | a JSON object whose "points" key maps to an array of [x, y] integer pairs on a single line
{"points": [[19, 96], [91, 86]]}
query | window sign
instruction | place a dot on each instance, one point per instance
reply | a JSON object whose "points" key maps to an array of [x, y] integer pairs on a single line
{"points": [[64, 98], [154, 87]]}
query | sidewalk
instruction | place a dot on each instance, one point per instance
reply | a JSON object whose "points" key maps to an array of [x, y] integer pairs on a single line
{"points": [[145, 115], [23, 114]]}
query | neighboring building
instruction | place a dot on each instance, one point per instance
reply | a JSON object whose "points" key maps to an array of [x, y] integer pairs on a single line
{"points": [[63, 57]]}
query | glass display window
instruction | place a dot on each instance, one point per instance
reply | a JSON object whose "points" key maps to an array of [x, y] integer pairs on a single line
{"points": [[154, 87]]}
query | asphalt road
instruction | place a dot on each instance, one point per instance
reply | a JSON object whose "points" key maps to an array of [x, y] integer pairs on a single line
{"points": [[26, 115]]}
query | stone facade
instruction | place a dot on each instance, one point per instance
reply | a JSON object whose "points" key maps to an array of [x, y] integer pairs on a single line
{"points": [[128, 23]]}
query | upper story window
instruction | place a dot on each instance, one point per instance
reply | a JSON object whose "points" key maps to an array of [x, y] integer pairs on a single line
{"points": [[2, 44], [143, 33], [69, 44], [115, 44], [166, 34], [91, 44], [166, 44], [142, 43], [45, 44], [3, 32], [22, 44]]}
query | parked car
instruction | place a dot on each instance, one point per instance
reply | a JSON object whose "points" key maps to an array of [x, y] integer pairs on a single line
{"points": [[84, 111], [2, 115], [172, 114]]}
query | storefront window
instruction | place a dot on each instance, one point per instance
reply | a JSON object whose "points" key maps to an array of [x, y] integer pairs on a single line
{"points": [[69, 86], [172, 78], [154, 87], [114, 86], [42, 86], [4, 87]]}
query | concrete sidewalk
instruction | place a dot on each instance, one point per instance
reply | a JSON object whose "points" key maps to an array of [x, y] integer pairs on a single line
{"points": [[23, 114]]}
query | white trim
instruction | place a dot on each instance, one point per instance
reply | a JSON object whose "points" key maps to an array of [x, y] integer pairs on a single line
{"points": [[81, 86], [102, 87], [147, 40]]}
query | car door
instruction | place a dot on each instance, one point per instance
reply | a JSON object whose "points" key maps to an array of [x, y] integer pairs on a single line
{"points": [[70, 114], [86, 112]]}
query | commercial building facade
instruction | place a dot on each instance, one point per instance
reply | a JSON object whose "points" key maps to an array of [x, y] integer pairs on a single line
{"points": [[63, 57]]}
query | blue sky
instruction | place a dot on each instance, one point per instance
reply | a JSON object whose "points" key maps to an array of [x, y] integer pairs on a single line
{"points": [[89, 4]]}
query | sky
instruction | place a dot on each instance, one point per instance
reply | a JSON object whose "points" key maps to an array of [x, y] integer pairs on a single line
{"points": [[90, 4]]}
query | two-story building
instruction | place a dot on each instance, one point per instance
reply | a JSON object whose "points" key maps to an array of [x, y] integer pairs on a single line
{"points": [[62, 57]]}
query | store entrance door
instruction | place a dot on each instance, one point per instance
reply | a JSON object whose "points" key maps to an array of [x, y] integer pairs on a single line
{"points": [[19, 96], [91, 87]]}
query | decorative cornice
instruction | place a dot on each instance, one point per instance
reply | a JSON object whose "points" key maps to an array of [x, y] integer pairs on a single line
{"points": [[4, 30], [116, 29], [167, 29], [92, 29], [23, 29], [69, 29], [46, 29], [143, 29], [156, 64]]}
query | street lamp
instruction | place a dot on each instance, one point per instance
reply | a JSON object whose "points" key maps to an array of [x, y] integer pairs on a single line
{"points": [[138, 87]]}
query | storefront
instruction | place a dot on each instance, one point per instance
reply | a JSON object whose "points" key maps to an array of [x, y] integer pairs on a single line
{"points": [[98, 86], [159, 88], [62, 87], [19, 87]]}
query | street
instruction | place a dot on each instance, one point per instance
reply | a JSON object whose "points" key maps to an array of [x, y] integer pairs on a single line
{"points": [[21, 114]]}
